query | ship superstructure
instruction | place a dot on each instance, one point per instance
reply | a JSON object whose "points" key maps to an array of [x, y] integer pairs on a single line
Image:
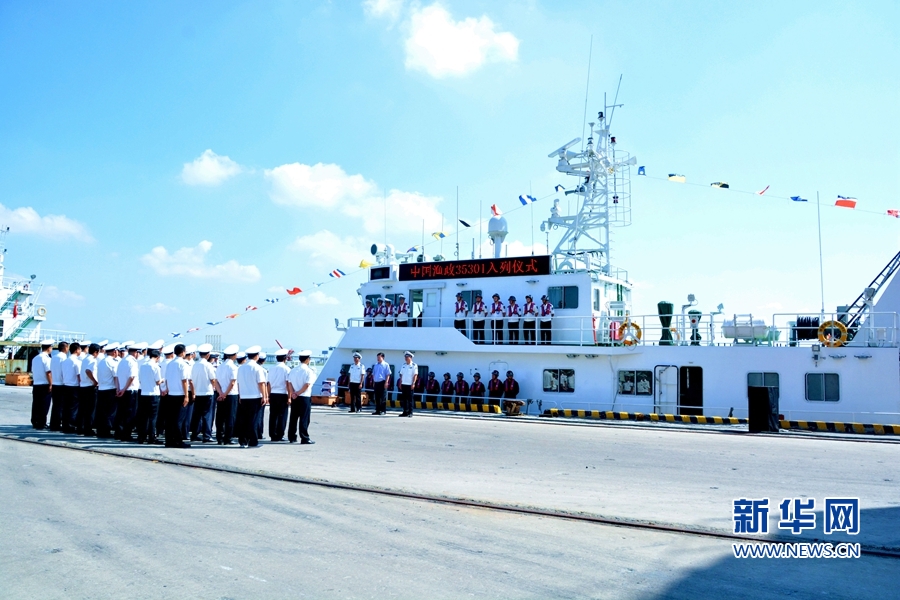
{"points": [[841, 366]]}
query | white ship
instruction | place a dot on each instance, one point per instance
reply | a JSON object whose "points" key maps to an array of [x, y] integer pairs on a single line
{"points": [[837, 367]]}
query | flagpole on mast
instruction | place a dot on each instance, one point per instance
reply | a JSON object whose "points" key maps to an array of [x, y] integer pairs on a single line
{"points": [[532, 219], [457, 222], [423, 239], [479, 227], [821, 268]]}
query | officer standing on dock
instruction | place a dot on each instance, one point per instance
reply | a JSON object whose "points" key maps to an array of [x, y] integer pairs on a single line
{"points": [[479, 314], [252, 386], [203, 379], [178, 377], [357, 378], [128, 384], [409, 372], [300, 385], [58, 390], [87, 393], [546, 319], [381, 378], [497, 313], [460, 314], [261, 415], [529, 314], [226, 411], [71, 372], [278, 396], [149, 376], [42, 379], [106, 392]]}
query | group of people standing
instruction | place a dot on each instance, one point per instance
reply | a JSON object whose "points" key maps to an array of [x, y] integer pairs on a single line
{"points": [[378, 382], [176, 392]]}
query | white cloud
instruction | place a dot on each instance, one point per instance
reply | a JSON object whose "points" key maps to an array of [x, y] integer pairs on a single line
{"points": [[330, 251], [328, 186], [384, 8], [443, 47], [157, 308], [27, 220], [209, 169], [51, 293], [317, 297], [191, 262]]}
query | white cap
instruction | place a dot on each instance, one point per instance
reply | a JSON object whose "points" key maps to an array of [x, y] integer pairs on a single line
{"points": [[140, 346], [253, 350], [232, 349], [357, 355], [170, 349], [84, 343], [190, 349], [282, 352], [204, 348], [408, 353], [103, 343], [241, 355], [47, 342], [304, 353], [262, 355], [127, 344], [157, 345], [110, 347]]}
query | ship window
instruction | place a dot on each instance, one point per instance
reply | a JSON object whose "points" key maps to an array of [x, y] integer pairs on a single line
{"points": [[379, 273], [823, 387], [596, 299], [762, 379], [636, 383], [394, 298], [559, 380], [563, 296]]}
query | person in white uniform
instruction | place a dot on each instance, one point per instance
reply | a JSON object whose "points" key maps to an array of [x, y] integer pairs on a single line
{"points": [[252, 386], [278, 396], [357, 375], [71, 378], [41, 380], [87, 392], [106, 392], [227, 400], [129, 385], [57, 391], [203, 380], [149, 376], [300, 385], [406, 379], [178, 377]]}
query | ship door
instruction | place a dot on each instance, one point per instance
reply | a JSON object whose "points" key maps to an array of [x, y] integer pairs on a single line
{"points": [[431, 307], [690, 391], [665, 392]]}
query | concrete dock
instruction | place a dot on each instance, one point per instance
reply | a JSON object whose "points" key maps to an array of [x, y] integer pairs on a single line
{"points": [[92, 518]]}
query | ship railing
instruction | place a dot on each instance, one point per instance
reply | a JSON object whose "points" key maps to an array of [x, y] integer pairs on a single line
{"points": [[711, 329], [33, 336]]}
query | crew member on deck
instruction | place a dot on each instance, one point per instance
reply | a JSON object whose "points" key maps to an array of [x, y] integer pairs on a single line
{"points": [[546, 319], [41, 382], [476, 390], [409, 372], [357, 378], [495, 386], [446, 389], [368, 314], [401, 312], [378, 317], [461, 389], [497, 313], [388, 312], [460, 314], [381, 378], [513, 312], [432, 388], [529, 315], [479, 314]]}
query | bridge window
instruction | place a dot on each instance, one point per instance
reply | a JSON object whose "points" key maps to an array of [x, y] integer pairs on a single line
{"points": [[636, 383], [379, 273], [559, 380], [823, 387], [563, 296], [762, 379]]}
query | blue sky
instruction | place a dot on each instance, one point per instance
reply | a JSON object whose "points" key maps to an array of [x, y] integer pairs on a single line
{"points": [[165, 164]]}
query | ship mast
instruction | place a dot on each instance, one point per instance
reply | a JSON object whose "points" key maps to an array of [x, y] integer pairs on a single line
{"points": [[603, 194]]}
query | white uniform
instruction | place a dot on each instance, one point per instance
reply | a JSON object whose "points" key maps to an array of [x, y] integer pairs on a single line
{"points": [[106, 373], [55, 369], [249, 377], [202, 374], [379, 314], [462, 309], [163, 362], [497, 311], [388, 315], [513, 313], [88, 364], [71, 371], [368, 314], [357, 372], [401, 313], [300, 376], [278, 376], [407, 373], [479, 311], [128, 367], [40, 365], [225, 374], [176, 372], [529, 311], [149, 376]]}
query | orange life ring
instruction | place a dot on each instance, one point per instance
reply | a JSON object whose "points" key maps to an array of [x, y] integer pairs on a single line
{"points": [[627, 338]]}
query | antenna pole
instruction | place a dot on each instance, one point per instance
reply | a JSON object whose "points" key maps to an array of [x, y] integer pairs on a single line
{"points": [[821, 268], [532, 220], [457, 222], [442, 235], [480, 221], [384, 204], [613, 107], [423, 239], [587, 88]]}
